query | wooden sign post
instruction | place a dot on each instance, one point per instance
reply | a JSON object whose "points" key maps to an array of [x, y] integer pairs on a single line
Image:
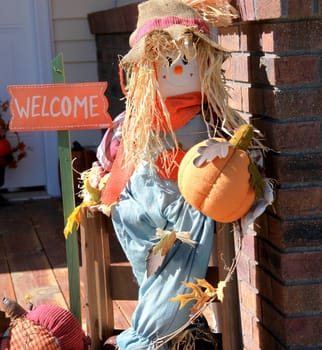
{"points": [[67, 185], [62, 107]]}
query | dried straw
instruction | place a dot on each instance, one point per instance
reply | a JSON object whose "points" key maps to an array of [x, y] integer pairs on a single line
{"points": [[145, 105]]}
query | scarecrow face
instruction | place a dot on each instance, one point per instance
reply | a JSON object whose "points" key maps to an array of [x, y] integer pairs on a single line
{"points": [[177, 67], [179, 77]]}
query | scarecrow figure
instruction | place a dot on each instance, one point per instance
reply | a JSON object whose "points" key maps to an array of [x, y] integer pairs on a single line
{"points": [[175, 98]]}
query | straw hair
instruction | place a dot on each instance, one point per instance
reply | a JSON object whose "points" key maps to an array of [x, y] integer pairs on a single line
{"points": [[217, 13], [145, 104]]}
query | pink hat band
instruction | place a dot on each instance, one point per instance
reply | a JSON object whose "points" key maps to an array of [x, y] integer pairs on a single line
{"points": [[166, 22]]}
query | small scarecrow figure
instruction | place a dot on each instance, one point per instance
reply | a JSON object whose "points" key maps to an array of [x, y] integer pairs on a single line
{"points": [[175, 98]]}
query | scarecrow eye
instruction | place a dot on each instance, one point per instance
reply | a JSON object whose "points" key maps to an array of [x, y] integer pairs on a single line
{"points": [[170, 61], [184, 60]]}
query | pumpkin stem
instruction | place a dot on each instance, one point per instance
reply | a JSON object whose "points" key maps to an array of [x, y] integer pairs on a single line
{"points": [[242, 137]]}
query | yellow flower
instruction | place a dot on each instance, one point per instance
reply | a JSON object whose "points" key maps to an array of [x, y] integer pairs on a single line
{"points": [[74, 218]]}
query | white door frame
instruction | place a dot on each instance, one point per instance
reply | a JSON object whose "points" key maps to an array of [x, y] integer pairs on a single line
{"points": [[44, 56]]}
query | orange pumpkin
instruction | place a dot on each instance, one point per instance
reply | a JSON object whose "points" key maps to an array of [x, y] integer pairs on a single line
{"points": [[220, 188]]}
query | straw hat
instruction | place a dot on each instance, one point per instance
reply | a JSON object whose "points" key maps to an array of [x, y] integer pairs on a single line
{"points": [[176, 17]]}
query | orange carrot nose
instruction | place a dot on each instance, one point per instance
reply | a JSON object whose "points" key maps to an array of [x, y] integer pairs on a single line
{"points": [[178, 69]]}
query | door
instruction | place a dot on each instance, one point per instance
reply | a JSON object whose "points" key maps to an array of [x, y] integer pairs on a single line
{"points": [[25, 53]]}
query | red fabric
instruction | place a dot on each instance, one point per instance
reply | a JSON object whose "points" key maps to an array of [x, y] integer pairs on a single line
{"points": [[118, 178], [62, 324], [175, 157], [5, 147]]}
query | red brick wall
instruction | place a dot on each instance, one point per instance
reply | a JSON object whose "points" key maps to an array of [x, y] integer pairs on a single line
{"points": [[275, 72]]}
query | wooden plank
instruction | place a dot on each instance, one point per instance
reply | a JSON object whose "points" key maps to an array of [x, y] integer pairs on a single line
{"points": [[25, 258], [32, 275], [125, 311], [7, 289], [100, 318], [87, 246], [45, 218], [123, 285], [213, 311], [103, 269], [48, 223], [68, 201], [232, 335], [20, 238], [104, 315], [34, 228], [61, 276]]}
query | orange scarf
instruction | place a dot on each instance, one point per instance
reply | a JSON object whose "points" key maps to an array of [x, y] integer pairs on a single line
{"points": [[182, 109]]}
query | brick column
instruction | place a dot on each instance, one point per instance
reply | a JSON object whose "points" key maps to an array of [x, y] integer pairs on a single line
{"points": [[275, 73], [112, 29]]}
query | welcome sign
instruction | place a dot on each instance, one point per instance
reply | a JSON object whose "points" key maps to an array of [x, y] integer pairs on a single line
{"points": [[47, 107]]}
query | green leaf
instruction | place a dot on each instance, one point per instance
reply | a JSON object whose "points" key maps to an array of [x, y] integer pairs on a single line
{"points": [[256, 180]]}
